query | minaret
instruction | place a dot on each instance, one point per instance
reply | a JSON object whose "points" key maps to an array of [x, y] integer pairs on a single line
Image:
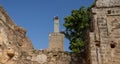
{"points": [[56, 24], [56, 39]]}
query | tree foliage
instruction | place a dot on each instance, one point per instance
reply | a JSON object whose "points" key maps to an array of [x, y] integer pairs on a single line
{"points": [[76, 25]]}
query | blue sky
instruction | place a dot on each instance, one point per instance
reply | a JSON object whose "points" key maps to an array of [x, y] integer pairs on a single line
{"points": [[36, 16]]}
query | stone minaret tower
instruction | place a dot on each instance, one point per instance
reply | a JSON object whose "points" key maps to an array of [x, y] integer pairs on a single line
{"points": [[56, 39]]}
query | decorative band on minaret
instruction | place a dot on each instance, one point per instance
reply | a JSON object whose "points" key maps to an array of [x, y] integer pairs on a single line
{"points": [[56, 24]]}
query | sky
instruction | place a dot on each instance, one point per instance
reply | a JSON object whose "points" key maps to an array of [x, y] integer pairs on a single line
{"points": [[36, 16]]}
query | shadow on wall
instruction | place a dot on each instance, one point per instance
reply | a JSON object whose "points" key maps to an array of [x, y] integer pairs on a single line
{"points": [[78, 58]]}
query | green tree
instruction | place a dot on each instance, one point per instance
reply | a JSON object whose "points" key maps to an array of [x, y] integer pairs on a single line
{"points": [[76, 26]]}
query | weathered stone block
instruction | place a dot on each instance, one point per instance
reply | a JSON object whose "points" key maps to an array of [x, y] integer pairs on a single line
{"points": [[107, 3]]}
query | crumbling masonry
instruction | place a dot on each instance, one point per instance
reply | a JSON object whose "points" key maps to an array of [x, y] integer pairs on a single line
{"points": [[103, 43], [104, 46]]}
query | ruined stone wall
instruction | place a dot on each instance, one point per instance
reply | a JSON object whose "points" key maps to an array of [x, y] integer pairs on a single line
{"points": [[56, 57], [105, 39], [13, 41], [107, 3]]}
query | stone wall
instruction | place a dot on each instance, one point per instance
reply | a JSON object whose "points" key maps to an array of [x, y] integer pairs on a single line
{"points": [[104, 46], [13, 40], [56, 57], [107, 3]]}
